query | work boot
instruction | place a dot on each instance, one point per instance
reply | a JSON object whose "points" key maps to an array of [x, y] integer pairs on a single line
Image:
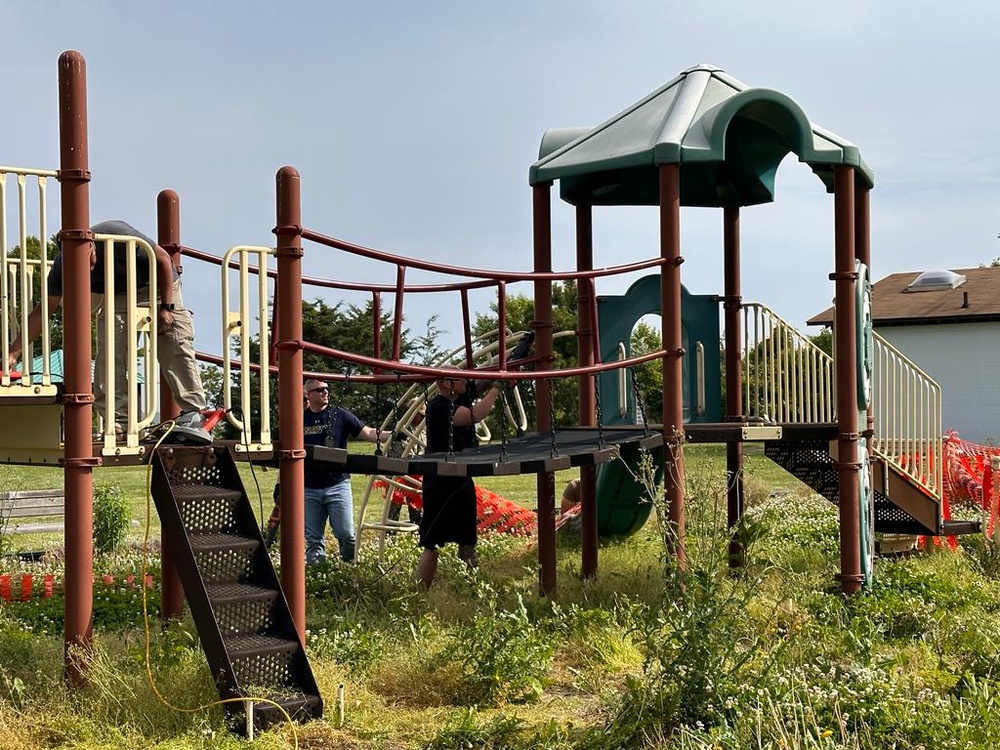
{"points": [[190, 428]]}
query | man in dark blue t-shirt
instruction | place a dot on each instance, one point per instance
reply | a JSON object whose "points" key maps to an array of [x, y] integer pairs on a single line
{"points": [[328, 490]]}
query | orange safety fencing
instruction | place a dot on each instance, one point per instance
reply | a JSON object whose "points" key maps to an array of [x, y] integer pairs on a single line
{"points": [[495, 514], [22, 587], [970, 477]]}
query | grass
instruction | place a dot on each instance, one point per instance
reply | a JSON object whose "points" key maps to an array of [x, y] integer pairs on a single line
{"points": [[643, 656]]}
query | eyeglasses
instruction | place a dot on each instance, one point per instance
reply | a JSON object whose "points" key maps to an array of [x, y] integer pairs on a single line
{"points": [[319, 390]]}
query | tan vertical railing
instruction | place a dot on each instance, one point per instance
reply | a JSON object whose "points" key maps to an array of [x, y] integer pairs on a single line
{"points": [[251, 305], [140, 326], [908, 421], [18, 272], [787, 378]]}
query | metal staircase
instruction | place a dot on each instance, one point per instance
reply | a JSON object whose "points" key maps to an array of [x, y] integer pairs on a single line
{"points": [[790, 382], [243, 621], [811, 462]]}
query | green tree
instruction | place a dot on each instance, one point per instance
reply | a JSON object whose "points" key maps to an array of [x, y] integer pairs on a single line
{"points": [[824, 340], [348, 328], [646, 338]]}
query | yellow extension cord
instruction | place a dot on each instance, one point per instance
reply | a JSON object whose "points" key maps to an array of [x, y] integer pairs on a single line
{"points": [[145, 618]]}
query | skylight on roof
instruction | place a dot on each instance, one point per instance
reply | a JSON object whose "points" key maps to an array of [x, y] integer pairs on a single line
{"points": [[936, 281]]}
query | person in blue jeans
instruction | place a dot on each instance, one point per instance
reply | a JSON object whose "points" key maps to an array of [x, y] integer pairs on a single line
{"points": [[328, 490]]}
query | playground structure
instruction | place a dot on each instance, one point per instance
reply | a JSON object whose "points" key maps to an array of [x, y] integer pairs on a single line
{"points": [[863, 428]]}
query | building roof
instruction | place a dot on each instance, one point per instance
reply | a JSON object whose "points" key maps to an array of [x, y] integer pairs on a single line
{"points": [[975, 300], [728, 138]]}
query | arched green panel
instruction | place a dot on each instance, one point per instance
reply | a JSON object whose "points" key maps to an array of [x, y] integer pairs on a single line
{"points": [[623, 503], [700, 337]]}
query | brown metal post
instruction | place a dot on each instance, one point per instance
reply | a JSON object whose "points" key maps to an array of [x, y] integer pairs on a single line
{"points": [[168, 229], [585, 316], [291, 471], [845, 278], [78, 399], [732, 303], [673, 394], [542, 326]]}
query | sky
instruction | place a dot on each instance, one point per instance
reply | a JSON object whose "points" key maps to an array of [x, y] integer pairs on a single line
{"points": [[413, 126]]}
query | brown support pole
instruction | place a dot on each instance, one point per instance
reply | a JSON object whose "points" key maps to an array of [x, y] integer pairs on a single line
{"points": [[291, 471], [78, 398], [542, 326], [734, 378], [845, 278], [673, 395], [168, 228], [585, 317], [862, 251]]}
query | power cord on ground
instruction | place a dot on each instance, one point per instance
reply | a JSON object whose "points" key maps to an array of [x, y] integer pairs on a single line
{"points": [[248, 700]]}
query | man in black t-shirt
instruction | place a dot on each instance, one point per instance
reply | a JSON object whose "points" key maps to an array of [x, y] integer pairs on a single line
{"points": [[449, 513]]}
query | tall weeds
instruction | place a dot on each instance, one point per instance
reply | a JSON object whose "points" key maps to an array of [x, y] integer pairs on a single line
{"points": [[702, 642]]}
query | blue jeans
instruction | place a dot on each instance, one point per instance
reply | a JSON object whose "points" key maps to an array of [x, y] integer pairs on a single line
{"points": [[336, 504]]}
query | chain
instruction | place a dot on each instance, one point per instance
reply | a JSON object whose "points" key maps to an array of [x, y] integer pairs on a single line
{"points": [[640, 405], [451, 431], [552, 420], [503, 424], [597, 410], [378, 408]]}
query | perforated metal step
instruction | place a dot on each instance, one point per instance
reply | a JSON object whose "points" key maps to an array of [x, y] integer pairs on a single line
{"points": [[810, 462], [250, 641]]}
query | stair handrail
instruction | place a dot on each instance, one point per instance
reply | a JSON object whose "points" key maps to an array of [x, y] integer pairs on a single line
{"points": [[908, 421], [787, 379], [16, 299], [251, 303]]}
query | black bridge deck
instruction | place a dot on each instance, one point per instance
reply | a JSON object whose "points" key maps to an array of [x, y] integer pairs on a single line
{"points": [[530, 454]]}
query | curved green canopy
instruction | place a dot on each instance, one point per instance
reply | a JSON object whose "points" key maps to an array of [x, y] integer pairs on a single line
{"points": [[728, 138]]}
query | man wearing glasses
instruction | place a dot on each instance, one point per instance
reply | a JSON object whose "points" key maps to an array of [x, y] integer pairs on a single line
{"points": [[328, 490]]}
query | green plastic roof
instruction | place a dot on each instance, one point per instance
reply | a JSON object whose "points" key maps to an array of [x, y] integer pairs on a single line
{"points": [[728, 138]]}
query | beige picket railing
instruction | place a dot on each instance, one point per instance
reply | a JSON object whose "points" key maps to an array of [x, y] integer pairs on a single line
{"points": [[787, 379], [908, 421], [128, 314], [251, 308], [30, 218]]}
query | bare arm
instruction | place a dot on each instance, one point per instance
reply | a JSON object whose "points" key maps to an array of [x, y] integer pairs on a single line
{"points": [[34, 328], [374, 436], [165, 286], [164, 275], [464, 416]]}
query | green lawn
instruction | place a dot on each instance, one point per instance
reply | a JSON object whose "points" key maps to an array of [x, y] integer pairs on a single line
{"points": [[643, 656]]}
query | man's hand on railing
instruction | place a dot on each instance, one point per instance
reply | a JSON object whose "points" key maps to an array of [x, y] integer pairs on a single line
{"points": [[521, 350]]}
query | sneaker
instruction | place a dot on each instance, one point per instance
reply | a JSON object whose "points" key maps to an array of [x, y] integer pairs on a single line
{"points": [[190, 428]]}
